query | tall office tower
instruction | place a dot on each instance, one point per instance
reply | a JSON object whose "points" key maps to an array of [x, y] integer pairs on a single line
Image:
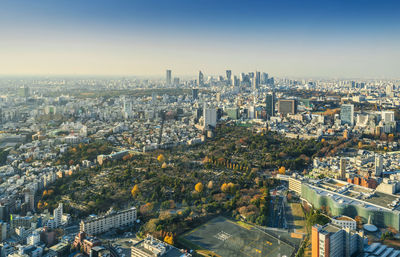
{"points": [[201, 79], [258, 79], [378, 165], [342, 166], [210, 116], [195, 93], [347, 114], [176, 81], [387, 116], [24, 91], [127, 111], [30, 199], [229, 77], [236, 81], [58, 213], [169, 77], [287, 106], [242, 77], [333, 241], [270, 104], [265, 78]]}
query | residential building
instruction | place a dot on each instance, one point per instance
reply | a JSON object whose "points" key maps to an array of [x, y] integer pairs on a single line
{"points": [[57, 214], [347, 114], [96, 225], [287, 106], [333, 241]]}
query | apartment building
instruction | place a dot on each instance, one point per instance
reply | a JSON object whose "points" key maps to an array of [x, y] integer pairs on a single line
{"points": [[113, 219]]}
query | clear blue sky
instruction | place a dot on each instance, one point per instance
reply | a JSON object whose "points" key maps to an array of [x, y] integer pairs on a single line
{"points": [[359, 38]]}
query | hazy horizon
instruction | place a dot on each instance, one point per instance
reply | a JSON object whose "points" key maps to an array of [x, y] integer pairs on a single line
{"points": [[324, 39]]}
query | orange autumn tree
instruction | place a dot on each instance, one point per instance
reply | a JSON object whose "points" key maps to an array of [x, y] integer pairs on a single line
{"points": [[161, 158], [224, 187], [282, 170], [198, 187], [228, 188], [169, 239], [135, 190]]}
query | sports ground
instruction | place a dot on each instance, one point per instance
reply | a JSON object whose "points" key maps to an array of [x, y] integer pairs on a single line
{"points": [[227, 238]]}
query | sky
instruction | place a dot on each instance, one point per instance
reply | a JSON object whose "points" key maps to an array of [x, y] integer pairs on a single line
{"points": [[292, 38]]}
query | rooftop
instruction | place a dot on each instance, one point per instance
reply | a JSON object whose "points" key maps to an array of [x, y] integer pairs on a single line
{"points": [[330, 228], [159, 247], [356, 195], [344, 218]]}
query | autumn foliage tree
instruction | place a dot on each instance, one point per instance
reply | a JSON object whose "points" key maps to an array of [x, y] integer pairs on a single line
{"points": [[198, 187], [135, 190], [161, 158], [169, 239], [228, 188], [282, 170], [224, 187]]}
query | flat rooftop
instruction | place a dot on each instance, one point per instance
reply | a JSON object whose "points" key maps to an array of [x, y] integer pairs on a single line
{"points": [[355, 195], [382, 199], [171, 252], [330, 228]]}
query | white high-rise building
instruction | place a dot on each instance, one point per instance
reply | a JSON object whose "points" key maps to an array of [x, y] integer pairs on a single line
{"points": [[127, 109], [378, 165], [97, 225], [58, 213], [387, 116], [33, 239], [347, 114], [210, 116]]}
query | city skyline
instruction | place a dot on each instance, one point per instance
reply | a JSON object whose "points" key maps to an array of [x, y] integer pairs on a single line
{"points": [[289, 38]]}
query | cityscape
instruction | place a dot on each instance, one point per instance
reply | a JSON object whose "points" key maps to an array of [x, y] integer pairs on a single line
{"points": [[128, 129]]}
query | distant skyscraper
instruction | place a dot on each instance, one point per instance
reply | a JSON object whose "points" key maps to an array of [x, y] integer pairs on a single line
{"points": [[287, 106], [258, 78], [270, 104], [195, 93], [169, 77], [347, 114], [24, 91], [236, 81], [265, 78], [201, 79], [229, 77], [176, 81]]}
